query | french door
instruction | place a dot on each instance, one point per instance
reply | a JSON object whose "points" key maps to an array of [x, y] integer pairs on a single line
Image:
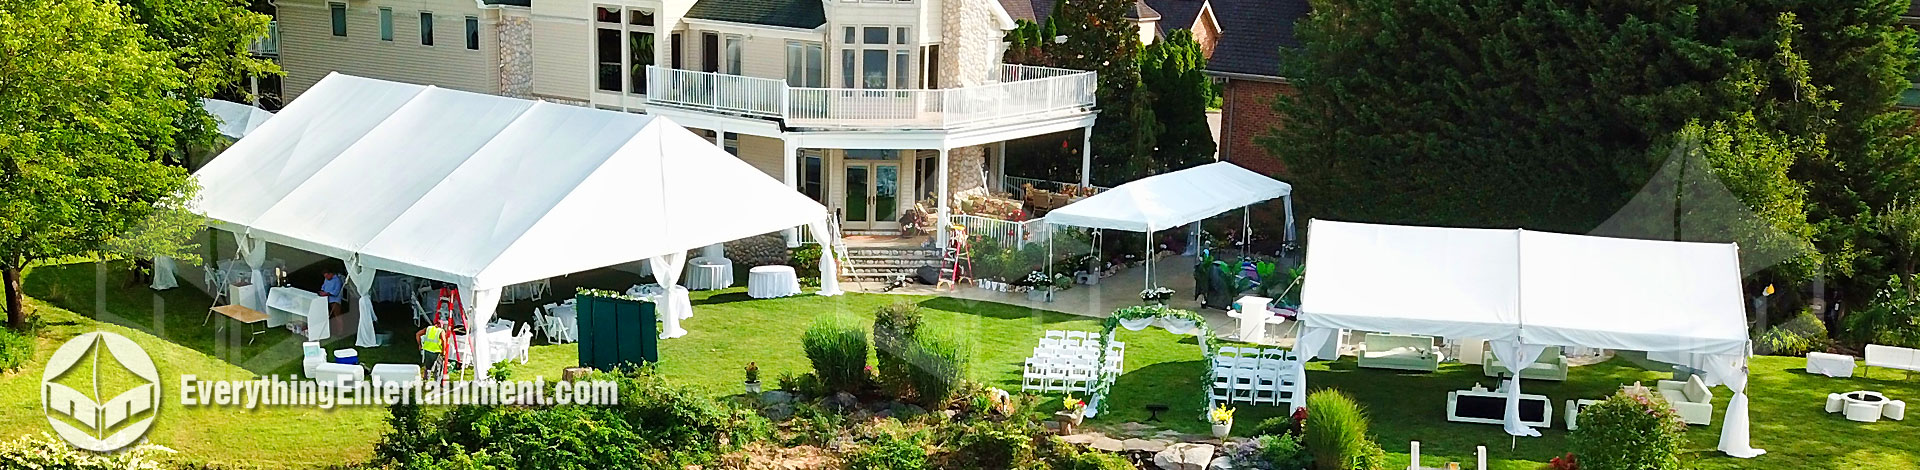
{"points": [[871, 196]]}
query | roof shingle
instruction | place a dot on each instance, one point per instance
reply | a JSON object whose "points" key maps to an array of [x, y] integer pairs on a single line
{"points": [[804, 14], [1038, 10], [1252, 33]]}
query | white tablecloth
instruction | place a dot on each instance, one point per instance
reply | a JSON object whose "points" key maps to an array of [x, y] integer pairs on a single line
{"points": [[766, 282], [706, 273], [163, 274], [287, 303], [1831, 365], [653, 293]]}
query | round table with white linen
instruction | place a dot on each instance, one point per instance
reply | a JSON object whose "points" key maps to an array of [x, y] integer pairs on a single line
{"points": [[709, 273], [653, 293], [766, 282]]}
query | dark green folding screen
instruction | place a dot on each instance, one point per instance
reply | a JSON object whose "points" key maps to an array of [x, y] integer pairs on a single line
{"points": [[616, 333]]}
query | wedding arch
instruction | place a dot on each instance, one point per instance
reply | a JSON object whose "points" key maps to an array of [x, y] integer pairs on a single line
{"points": [[1140, 317]]}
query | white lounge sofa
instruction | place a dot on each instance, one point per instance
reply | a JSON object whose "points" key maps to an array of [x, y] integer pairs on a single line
{"points": [[1893, 358], [342, 374], [1691, 399]]}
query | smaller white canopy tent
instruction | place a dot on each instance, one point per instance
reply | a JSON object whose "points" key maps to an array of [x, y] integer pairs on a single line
{"points": [[485, 191], [236, 120], [1169, 200], [1524, 291]]}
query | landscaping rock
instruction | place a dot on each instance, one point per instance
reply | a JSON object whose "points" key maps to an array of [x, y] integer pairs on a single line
{"points": [[1107, 444], [1221, 463], [841, 402], [1184, 456], [1144, 445], [779, 411], [776, 397], [1078, 439]]}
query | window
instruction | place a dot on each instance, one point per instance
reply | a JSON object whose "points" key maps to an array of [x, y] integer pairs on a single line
{"points": [[709, 52], [426, 28], [386, 24], [731, 142], [931, 56], [876, 58], [338, 13], [805, 64], [676, 51], [623, 45], [810, 174], [473, 33], [732, 52]]}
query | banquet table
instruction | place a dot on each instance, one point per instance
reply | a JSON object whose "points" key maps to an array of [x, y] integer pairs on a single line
{"points": [[292, 305], [771, 281], [653, 293], [708, 273]]}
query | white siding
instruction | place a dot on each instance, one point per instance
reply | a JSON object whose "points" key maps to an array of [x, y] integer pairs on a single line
{"points": [[761, 56], [562, 61], [309, 50]]}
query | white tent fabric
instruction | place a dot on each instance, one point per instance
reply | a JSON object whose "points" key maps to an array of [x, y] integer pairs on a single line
{"points": [[1525, 290], [1168, 200], [236, 120], [666, 269], [484, 191]]}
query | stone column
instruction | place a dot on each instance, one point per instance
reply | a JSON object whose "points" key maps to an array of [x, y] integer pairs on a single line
{"points": [[515, 31], [966, 174], [969, 43]]}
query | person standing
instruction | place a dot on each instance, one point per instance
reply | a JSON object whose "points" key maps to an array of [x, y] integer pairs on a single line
{"points": [[331, 286]]}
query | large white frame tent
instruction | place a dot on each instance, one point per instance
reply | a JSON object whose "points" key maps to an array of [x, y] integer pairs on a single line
{"points": [[1169, 200], [486, 191], [1526, 290]]}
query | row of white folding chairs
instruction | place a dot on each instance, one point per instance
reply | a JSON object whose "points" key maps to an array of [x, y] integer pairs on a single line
{"points": [[1254, 386], [1071, 335], [1063, 374], [1113, 360], [1070, 343], [1239, 353], [1114, 349]]}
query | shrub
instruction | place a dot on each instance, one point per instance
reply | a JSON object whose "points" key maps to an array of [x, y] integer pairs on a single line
{"points": [[43, 451], [805, 260], [1284, 452], [654, 426], [1892, 319], [837, 347], [16, 349], [1626, 431], [1797, 337], [993, 444], [1291, 424], [1095, 460], [1336, 433], [938, 366], [890, 452], [894, 330]]}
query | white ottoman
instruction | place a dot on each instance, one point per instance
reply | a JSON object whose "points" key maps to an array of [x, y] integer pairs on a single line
{"points": [[400, 373], [1835, 402], [1831, 365], [1863, 412], [1895, 410]]}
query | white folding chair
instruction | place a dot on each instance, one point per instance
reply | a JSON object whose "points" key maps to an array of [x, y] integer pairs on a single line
{"points": [[1055, 334], [1076, 337], [1051, 342], [1222, 389], [1058, 371], [1080, 376], [523, 345], [1266, 387], [1035, 376]]}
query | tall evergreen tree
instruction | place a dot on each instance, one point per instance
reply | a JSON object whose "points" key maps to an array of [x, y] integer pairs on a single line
{"points": [[1100, 38], [1173, 70]]}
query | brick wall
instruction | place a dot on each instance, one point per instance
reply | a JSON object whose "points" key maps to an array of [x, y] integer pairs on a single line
{"points": [[1246, 113]]}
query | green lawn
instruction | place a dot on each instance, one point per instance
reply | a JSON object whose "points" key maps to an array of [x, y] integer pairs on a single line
{"points": [[730, 329]]}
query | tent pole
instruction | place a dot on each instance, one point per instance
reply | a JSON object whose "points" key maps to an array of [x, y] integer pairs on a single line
{"points": [[1246, 230]]}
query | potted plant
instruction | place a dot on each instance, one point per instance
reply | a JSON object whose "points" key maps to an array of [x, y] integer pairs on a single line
{"points": [[753, 378], [1155, 295], [1072, 410], [1041, 287], [1222, 419]]}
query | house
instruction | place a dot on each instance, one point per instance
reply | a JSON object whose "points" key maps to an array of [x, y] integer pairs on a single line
{"points": [[1154, 17], [1247, 62], [866, 106]]}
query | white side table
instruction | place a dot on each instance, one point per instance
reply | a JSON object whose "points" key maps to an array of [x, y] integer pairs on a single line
{"points": [[1831, 365], [766, 282]]}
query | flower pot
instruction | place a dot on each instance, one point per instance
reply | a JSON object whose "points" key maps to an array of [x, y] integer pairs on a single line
{"points": [[1040, 295], [1220, 430], [753, 387], [1070, 417]]}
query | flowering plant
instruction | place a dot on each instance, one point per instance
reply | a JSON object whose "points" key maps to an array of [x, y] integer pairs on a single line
{"points": [[753, 372], [1073, 404], [1220, 414], [1038, 279], [1157, 293]]}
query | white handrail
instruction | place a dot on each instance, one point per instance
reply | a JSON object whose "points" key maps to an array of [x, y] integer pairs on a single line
{"points": [[1022, 91]]}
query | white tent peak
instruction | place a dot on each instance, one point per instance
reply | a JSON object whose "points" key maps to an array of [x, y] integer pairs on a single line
{"points": [[1168, 200]]}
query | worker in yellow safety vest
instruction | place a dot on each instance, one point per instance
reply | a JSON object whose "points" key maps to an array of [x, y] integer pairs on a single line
{"points": [[430, 347]]}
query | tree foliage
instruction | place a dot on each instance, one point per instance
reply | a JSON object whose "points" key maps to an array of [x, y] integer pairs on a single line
{"points": [[1174, 71], [84, 97], [1100, 38], [209, 40], [1556, 115]]}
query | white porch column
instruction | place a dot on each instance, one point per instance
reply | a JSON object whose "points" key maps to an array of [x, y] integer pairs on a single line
{"points": [[790, 170], [720, 138], [1086, 158], [999, 168], [943, 220]]}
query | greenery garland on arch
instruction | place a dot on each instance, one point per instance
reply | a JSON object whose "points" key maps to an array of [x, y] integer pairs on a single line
{"points": [[1209, 344]]}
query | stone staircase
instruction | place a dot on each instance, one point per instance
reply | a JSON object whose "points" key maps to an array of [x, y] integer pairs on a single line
{"points": [[882, 264]]}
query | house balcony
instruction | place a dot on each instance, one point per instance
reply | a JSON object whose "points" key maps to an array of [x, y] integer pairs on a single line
{"points": [[1013, 93], [267, 46]]}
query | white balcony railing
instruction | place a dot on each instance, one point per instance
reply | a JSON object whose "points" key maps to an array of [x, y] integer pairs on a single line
{"points": [[1019, 91], [269, 45]]}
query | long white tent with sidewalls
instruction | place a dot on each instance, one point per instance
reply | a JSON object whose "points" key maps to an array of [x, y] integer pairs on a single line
{"points": [[486, 191], [1525, 291], [1169, 200]]}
